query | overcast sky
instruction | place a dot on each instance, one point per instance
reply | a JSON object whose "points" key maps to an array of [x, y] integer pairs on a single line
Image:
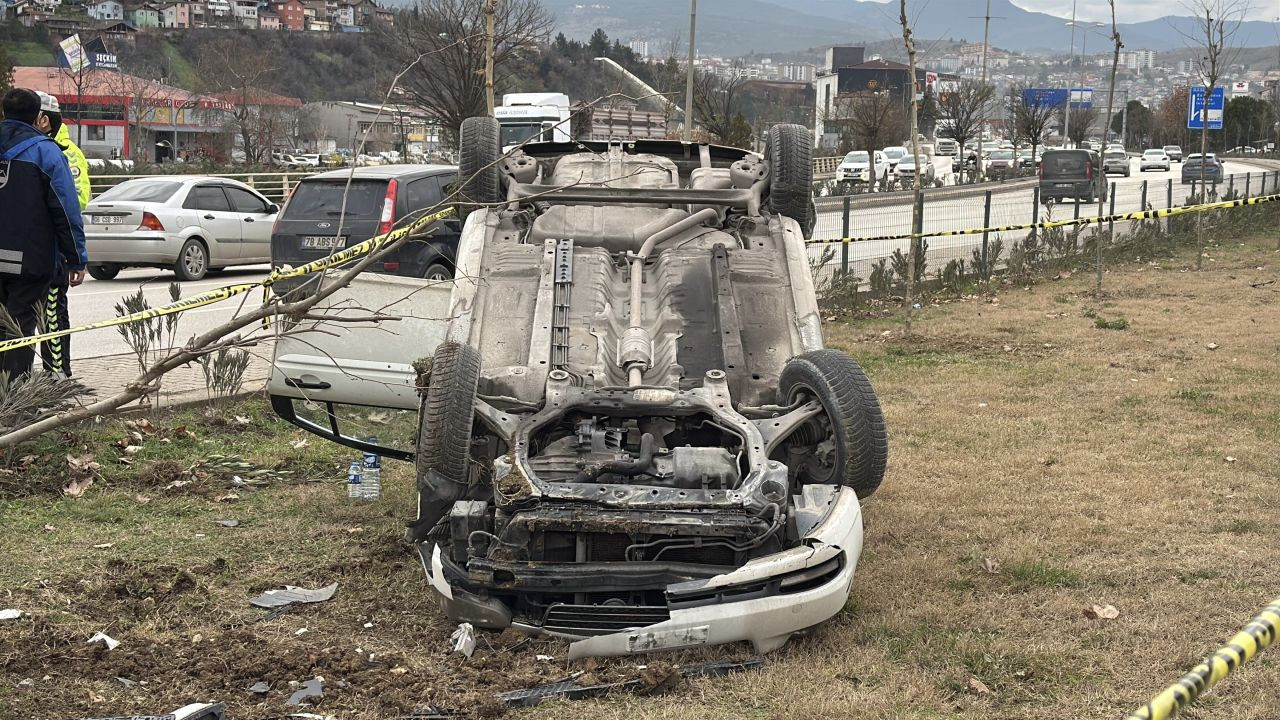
{"points": [[1135, 10]]}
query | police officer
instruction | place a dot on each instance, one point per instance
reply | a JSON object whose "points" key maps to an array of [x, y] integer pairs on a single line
{"points": [[56, 353], [42, 234]]}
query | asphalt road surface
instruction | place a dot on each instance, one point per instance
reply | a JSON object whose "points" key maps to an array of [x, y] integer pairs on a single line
{"points": [[96, 299]]}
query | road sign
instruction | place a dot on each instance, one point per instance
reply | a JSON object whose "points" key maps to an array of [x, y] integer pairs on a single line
{"points": [[1195, 108]]}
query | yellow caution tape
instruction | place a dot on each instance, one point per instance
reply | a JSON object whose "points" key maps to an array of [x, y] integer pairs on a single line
{"points": [[1141, 215], [1240, 649], [223, 293]]}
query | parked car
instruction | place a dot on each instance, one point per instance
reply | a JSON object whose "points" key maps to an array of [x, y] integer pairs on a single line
{"points": [[893, 154], [1070, 174], [191, 223], [584, 466], [947, 147], [1028, 159], [857, 168], [312, 224], [1191, 169], [1116, 161], [1154, 159], [909, 165], [1174, 152], [1000, 164]]}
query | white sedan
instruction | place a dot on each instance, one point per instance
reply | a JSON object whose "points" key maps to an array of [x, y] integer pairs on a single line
{"points": [[190, 223], [1154, 159]]}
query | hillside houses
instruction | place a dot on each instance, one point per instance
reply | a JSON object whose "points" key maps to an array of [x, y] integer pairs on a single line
{"points": [[270, 15]]}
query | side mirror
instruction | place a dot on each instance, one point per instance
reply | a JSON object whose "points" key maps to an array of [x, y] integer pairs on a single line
{"points": [[272, 208]]}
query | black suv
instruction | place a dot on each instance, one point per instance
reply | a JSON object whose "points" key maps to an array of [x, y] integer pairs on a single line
{"points": [[308, 227], [1070, 174]]}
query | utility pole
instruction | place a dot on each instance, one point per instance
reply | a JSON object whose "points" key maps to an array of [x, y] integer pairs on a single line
{"points": [[688, 81], [490, 9], [1071, 58], [982, 118]]}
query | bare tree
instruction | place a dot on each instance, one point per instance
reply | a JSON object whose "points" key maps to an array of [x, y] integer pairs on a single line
{"points": [[1216, 22], [140, 100], [1082, 121], [451, 87], [1031, 115], [717, 104], [960, 107], [243, 74], [917, 204]]}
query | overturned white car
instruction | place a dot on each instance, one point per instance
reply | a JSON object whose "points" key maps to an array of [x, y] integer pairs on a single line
{"points": [[632, 435]]}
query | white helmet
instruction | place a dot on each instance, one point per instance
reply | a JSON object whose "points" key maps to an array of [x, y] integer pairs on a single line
{"points": [[48, 103]]}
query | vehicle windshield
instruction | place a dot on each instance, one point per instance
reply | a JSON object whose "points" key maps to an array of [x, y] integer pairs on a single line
{"points": [[856, 157], [515, 134], [1154, 153], [913, 160], [141, 191], [894, 153], [1001, 154], [323, 199]]}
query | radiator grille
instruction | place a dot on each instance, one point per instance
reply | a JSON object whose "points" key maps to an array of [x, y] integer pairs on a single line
{"points": [[589, 620]]}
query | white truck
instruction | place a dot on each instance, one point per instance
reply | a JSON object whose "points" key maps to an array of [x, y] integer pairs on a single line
{"points": [[544, 116]]}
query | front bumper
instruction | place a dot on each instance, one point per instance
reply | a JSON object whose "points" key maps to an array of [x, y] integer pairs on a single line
{"points": [[765, 601], [134, 247]]}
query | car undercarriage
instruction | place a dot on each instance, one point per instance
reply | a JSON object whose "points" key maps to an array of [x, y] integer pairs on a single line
{"points": [[633, 435]]}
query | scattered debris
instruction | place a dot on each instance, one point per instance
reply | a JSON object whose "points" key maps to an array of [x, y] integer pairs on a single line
{"points": [[544, 658], [301, 631], [126, 681], [432, 712], [977, 687], [228, 523], [242, 421], [290, 595], [1229, 459], [1101, 612], [10, 614], [110, 642], [313, 688], [991, 566], [260, 688], [1213, 346], [463, 639], [103, 546], [571, 689]]}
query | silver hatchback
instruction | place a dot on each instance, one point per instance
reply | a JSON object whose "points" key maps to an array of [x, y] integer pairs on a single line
{"points": [[190, 223]]}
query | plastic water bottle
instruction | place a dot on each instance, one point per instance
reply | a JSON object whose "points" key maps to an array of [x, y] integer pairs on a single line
{"points": [[355, 480], [372, 473]]}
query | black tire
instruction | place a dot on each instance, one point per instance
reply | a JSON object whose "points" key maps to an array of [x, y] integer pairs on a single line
{"points": [[478, 174], [438, 272], [104, 271], [444, 424], [855, 421], [790, 155], [192, 262]]}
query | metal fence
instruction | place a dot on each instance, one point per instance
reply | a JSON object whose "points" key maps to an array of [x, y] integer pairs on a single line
{"points": [[865, 220], [275, 186]]}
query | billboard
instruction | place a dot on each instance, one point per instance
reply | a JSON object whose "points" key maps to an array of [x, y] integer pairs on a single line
{"points": [[73, 54], [77, 56], [1195, 107], [1057, 97]]}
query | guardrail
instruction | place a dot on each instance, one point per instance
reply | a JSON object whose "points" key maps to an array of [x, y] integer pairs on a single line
{"points": [[275, 186]]}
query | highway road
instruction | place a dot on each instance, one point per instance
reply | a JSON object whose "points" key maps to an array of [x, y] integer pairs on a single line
{"points": [[96, 299], [1010, 206]]}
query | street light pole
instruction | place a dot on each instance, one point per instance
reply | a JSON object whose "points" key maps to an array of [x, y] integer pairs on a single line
{"points": [[688, 81], [1071, 56], [982, 124]]}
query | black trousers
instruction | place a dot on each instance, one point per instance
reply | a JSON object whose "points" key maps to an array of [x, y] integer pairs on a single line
{"points": [[22, 297], [56, 353]]}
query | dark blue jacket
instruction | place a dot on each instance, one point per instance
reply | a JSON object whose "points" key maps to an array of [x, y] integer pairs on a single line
{"points": [[53, 226]]}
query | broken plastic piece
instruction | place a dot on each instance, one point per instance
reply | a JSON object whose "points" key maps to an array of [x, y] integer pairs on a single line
{"points": [[260, 687], [194, 711], [312, 688], [105, 639], [290, 595], [463, 640], [10, 614], [228, 523]]}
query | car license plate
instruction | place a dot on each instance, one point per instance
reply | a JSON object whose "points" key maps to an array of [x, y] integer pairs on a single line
{"points": [[323, 242], [108, 219], [1063, 185]]}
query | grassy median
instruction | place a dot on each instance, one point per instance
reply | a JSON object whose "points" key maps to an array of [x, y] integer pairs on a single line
{"points": [[1051, 451]]}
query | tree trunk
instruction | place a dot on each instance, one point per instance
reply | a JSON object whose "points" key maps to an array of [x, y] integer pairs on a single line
{"points": [[917, 207]]}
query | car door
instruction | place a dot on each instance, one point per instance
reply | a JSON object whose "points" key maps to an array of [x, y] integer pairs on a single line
{"points": [[220, 225], [349, 382], [256, 217]]}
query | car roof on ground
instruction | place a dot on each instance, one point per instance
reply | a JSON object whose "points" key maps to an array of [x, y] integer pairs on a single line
{"points": [[383, 172]]}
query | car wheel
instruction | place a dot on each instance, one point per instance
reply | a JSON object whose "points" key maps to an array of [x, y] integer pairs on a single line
{"points": [[193, 261], [848, 443], [104, 271], [438, 272], [478, 174], [790, 154], [444, 431]]}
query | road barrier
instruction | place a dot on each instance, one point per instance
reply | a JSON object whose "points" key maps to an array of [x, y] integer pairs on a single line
{"points": [[224, 293], [1074, 222], [1240, 649]]}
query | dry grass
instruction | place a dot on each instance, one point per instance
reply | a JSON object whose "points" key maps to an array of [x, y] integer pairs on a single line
{"points": [[1089, 463]]}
